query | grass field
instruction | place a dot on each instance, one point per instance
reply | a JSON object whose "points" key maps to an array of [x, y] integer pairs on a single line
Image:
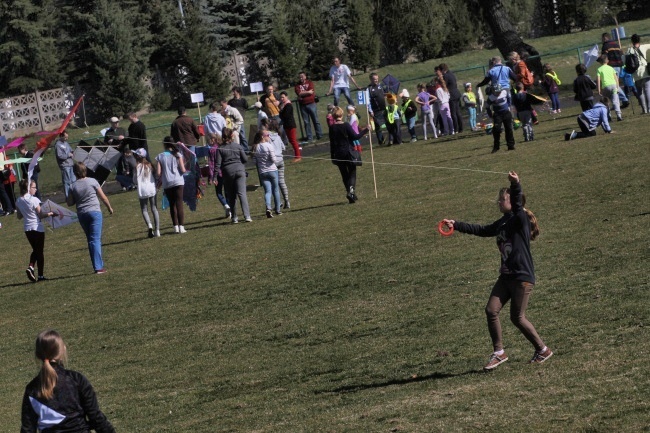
{"points": [[350, 318]]}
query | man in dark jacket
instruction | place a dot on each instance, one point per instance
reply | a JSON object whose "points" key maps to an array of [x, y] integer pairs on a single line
{"points": [[615, 60], [377, 106], [137, 134], [454, 97], [184, 129]]}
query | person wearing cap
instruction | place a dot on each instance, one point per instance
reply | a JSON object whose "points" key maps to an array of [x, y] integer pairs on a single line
{"points": [[469, 99], [184, 129], [308, 108], [114, 136], [410, 112], [64, 160], [137, 134]]}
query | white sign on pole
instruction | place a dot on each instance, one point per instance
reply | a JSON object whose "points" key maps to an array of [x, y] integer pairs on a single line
{"points": [[257, 87], [196, 97], [362, 97]]}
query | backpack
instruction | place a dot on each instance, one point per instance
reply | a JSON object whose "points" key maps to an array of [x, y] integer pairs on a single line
{"points": [[631, 63]]}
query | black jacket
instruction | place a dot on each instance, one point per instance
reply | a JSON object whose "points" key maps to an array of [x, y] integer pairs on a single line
{"points": [[512, 231], [72, 409], [584, 87], [341, 137]]}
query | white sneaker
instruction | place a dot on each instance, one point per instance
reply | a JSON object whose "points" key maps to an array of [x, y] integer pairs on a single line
{"points": [[157, 233], [227, 209], [176, 229], [181, 229]]}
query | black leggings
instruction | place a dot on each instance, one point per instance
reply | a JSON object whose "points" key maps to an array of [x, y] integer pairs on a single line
{"points": [[175, 198], [37, 241], [349, 174]]}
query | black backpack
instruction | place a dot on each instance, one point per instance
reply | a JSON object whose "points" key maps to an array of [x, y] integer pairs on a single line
{"points": [[631, 63]]}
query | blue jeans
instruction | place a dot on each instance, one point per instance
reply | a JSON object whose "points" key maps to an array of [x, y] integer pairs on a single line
{"points": [[346, 92], [67, 178], [621, 94], [555, 101], [125, 181], [411, 126], [219, 189], [271, 186], [472, 117], [242, 138], [91, 222], [310, 111]]}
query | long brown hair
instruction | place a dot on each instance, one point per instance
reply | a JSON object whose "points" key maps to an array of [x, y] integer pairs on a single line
{"points": [[532, 219], [50, 349]]}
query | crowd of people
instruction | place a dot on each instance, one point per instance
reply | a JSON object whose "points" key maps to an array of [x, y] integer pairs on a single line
{"points": [[54, 396], [508, 101]]}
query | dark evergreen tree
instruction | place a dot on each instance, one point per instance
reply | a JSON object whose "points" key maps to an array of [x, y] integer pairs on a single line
{"points": [[118, 61], [202, 60], [28, 58], [287, 51], [362, 42]]}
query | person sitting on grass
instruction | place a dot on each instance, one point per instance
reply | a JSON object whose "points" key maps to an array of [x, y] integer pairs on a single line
{"points": [[591, 119]]}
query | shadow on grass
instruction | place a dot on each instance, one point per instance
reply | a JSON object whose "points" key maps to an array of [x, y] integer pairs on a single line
{"points": [[415, 379], [42, 283]]}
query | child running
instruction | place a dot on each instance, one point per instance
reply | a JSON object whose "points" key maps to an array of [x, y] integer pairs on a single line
{"points": [[608, 84], [513, 231], [583, 87]]}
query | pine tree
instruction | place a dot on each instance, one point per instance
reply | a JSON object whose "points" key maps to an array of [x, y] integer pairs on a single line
{"points": [[287, 51], [202, 60], [362, 42], [118, 61], [28, 60]]}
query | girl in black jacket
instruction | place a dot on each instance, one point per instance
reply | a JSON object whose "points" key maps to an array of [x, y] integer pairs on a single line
{"points": [[60, 400], [341, 147], [514, 231]]}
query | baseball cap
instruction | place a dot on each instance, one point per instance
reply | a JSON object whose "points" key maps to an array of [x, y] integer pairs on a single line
{"points": [[140, 152], [114, 119]]}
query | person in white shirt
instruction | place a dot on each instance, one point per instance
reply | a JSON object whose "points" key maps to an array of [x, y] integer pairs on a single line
{"points": [[340, 76]]}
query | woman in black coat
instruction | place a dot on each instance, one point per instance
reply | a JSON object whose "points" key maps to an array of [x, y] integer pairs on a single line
{"points": [[341, 148]]}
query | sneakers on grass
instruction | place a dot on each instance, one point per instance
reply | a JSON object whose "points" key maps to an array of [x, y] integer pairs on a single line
{"points": [[540, 357], [30, 274], [495, 361]]}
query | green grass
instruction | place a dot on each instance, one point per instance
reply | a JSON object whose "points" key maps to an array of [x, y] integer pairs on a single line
{"points": [[348, 318]]}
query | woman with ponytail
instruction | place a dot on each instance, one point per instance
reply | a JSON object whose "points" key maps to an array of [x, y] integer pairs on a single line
{"points": [[60, 400], [514, 231]]}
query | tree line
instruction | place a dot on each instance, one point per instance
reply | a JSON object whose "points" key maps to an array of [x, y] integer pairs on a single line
{"points": [[125, 53]]}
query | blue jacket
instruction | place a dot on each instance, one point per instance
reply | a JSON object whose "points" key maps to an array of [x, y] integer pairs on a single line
{"points": [[598, 115]]}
